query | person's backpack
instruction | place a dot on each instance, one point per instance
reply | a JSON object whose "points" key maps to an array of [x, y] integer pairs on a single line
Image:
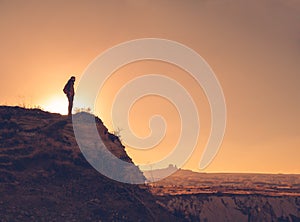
{"points": [[66, 88]]}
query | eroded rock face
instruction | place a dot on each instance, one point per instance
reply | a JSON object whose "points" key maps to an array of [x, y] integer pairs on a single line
{"points": [[230, 196], [44, 176], [204, 207]]}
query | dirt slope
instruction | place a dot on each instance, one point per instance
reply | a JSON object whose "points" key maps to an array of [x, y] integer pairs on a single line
{"points": [[44, 176]]}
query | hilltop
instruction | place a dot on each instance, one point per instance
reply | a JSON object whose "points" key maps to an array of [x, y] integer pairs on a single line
{"points": [[44, 176]]}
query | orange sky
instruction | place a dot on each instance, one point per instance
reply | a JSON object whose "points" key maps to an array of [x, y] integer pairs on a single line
{"points": [[252, 46]]}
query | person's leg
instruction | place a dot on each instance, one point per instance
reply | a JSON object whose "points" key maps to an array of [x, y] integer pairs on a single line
{"points": [[70, 98]]}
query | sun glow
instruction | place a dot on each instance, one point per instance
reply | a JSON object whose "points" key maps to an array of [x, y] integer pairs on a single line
{"points": [[56, 104]]}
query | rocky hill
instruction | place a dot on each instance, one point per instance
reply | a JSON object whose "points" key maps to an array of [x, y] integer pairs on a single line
{"points": [[44, 176]]}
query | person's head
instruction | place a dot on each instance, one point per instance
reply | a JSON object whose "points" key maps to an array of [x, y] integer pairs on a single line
{"points": [[73, 78]]}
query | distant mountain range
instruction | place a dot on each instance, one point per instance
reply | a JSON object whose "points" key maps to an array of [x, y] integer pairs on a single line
{"points": [[158, 174]]}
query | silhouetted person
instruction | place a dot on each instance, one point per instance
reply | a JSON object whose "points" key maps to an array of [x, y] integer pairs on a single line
{"points": [[69, 91]]}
